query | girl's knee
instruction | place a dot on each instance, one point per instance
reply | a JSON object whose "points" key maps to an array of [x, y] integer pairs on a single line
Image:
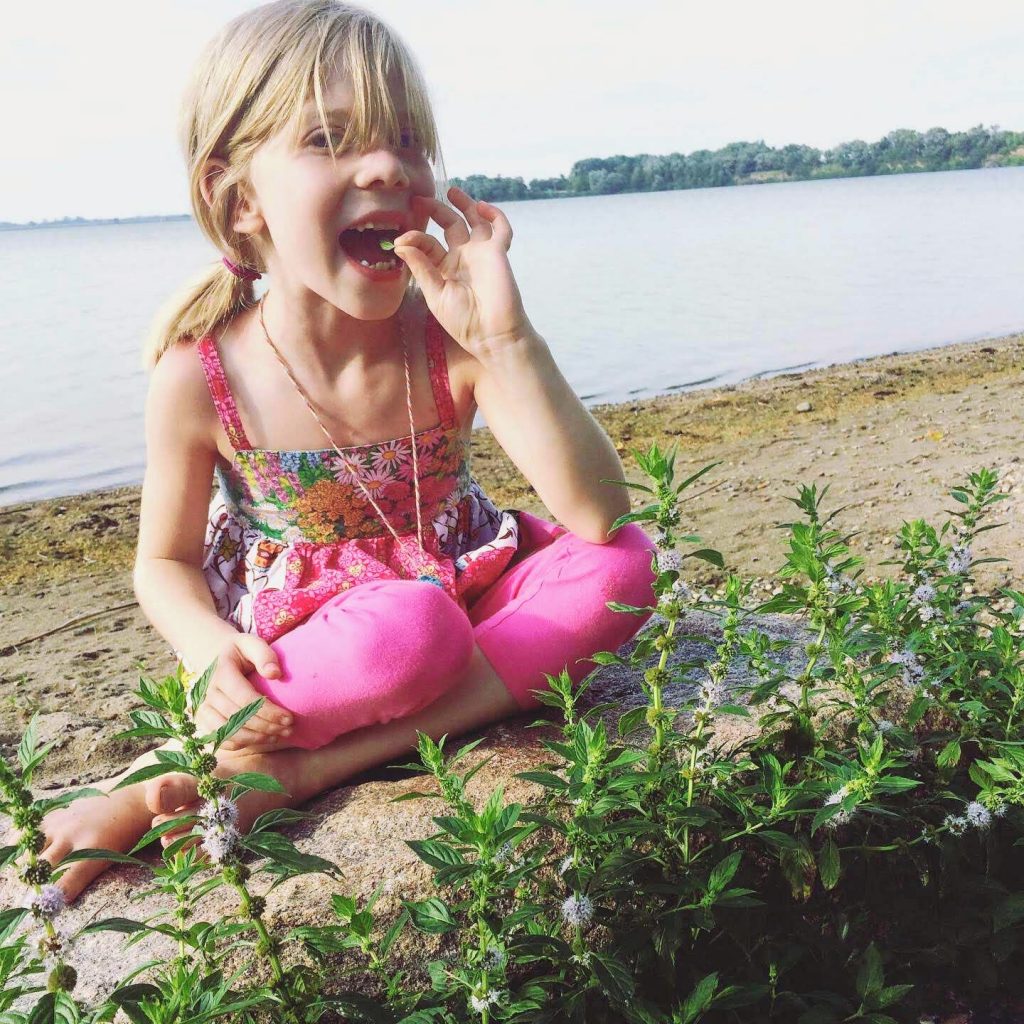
{"points": [[445, 627], [412, 627], [629, 576]]}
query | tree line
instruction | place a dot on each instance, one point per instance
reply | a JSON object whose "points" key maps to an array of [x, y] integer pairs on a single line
{"points": [[743, 163], [740, 163]]}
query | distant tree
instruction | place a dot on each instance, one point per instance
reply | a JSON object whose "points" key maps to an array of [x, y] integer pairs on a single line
{"points": [[856, 156], [799, 161], [903, 148], [935, 148]]}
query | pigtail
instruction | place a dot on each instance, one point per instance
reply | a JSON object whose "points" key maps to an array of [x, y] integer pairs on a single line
{"points": [[206, 302]]}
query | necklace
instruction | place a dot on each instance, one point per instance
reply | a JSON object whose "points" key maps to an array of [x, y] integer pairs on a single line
{"points": [[427, 570]]}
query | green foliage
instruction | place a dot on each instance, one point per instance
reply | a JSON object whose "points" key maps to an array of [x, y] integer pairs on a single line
{"points": [[901, 151], [816, 828]]}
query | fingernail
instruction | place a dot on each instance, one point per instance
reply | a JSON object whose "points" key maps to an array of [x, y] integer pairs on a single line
{"points": [[284, 720], [286, 732]]}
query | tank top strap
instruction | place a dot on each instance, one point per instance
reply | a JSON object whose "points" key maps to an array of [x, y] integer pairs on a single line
{"points": [[222, 397], [437, 362]]}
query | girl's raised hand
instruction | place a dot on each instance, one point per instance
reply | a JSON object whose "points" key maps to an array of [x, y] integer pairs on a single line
{"points": [[469, 287], [230, 690]]}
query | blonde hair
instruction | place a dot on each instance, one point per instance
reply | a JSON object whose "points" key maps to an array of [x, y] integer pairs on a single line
{"points": [[256, 74]]}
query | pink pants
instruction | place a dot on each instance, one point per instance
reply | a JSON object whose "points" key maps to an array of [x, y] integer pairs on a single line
{"points": [[388, 648]]}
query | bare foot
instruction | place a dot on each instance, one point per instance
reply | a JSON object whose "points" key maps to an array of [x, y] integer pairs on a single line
{"points": [[173, 795], [113, 822], [120, 819]]}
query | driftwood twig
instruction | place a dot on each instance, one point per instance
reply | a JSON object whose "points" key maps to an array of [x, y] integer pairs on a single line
{"points": [[67, 625]]}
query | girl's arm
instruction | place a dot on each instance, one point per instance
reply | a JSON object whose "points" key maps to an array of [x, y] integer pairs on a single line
{"points": [[168, 577], [180, 456], [550, 435]]}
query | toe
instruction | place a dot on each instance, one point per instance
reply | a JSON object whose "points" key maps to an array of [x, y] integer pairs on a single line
{"points": [[167, 792], [56, 851], [179, 812], [176, 833]]}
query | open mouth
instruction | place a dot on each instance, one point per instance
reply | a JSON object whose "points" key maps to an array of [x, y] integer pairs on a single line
{"points": [[363, 246]]}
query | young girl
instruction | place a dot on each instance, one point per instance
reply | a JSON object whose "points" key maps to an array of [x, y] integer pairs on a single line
{"points": [[368, 589]]}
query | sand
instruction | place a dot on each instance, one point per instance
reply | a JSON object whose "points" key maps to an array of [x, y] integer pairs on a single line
{"points": [[888, 435]]}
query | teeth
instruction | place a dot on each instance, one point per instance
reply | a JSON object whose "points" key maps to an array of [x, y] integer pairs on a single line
{"points": [[384, 265], [378, 227]]}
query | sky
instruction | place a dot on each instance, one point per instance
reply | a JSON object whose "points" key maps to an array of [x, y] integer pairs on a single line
{"points": [[90, 91]]}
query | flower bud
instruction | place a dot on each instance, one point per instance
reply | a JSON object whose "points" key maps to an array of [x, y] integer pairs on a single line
{"points": [[27, 817], [63, 978], [38, 873]]}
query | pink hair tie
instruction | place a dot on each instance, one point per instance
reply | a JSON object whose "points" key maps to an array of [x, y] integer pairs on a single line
{"points": [[243, 272]]}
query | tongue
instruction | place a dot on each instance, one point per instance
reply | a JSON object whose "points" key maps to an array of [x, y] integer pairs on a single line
{"points": [[362, 245]]}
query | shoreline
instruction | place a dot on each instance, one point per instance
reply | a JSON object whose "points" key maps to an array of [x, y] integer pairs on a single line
{"points": [[119, 490], [889, 435]]}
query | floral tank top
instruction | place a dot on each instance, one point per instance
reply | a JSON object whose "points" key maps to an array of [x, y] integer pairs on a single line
{"points": [[289, 530]]}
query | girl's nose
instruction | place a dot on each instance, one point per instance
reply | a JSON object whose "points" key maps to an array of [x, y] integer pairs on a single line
{"points": [[382, 162]]}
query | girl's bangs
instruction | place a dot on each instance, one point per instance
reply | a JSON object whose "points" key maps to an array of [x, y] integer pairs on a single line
{"points": [[374, 116]]}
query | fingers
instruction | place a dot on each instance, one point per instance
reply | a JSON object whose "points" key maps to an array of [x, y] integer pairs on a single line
{"points": [[234, 691], [485, 220], [216, 710], [500, 227], [468, 207], [456, 231]]}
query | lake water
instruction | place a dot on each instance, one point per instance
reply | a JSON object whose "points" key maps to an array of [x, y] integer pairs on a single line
{"points": [[637, 295]]}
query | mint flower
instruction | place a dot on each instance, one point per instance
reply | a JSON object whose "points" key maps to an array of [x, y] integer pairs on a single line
{"points": [[956, 824], [223, 813], [480, 1003], [679, 592], [494, 958], [577, 910], [54, 948], [669, 560], [959, 559], [838, 582], [978, 814], [219, 845], [503, 853], [47, 903], [712, 692], [913, 670], [841, 817]]}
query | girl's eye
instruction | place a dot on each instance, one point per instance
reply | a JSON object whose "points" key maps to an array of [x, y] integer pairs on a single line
{"points": [[322, 140], [408, 139]]}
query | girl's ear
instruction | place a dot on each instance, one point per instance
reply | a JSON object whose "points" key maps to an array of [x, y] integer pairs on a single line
{"points": [[247, 219]]}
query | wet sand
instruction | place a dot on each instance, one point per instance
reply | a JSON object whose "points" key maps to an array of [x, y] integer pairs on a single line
{"points": [[889, 436]]}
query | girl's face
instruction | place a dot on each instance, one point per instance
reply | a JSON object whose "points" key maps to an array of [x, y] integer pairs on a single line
{"points": [[304, 200]]}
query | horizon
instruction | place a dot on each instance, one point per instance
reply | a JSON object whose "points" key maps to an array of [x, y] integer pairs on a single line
{"points": [[735, 142]]}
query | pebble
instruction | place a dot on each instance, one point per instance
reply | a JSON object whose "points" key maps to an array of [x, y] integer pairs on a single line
{"points": [[804, 407]]}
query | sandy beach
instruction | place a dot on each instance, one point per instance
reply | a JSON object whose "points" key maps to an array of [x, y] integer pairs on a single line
{"points": [[889, 435]]}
